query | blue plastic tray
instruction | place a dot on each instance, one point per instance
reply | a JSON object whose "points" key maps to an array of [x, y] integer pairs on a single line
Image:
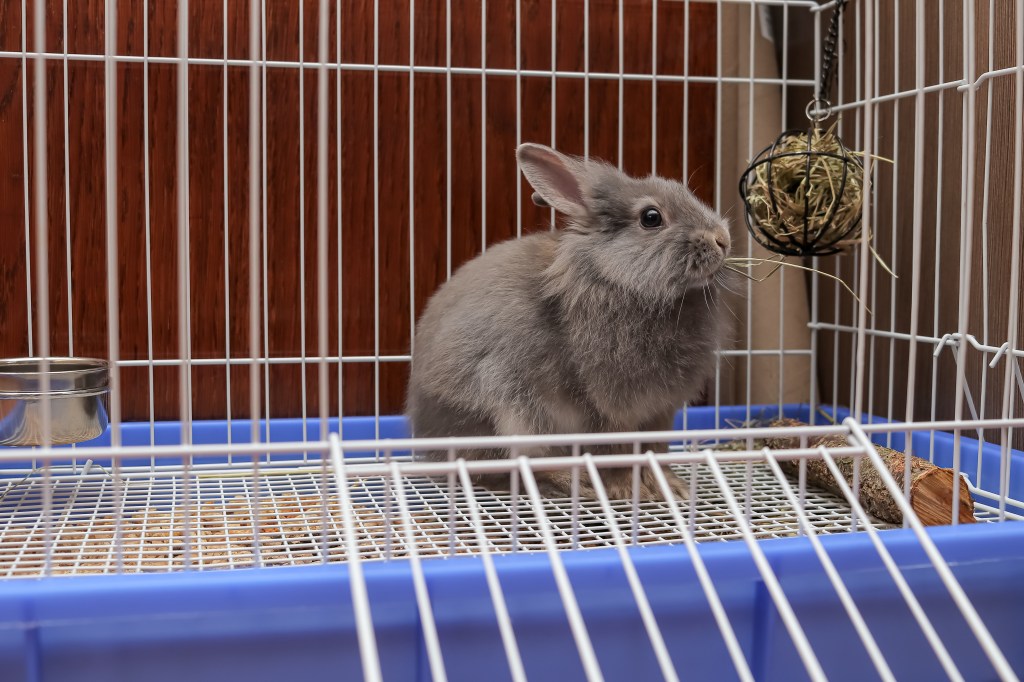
{"points": [[297, 623]]}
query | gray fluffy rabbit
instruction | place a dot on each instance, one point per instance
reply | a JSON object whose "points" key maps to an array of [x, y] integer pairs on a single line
{"points": [[610, 324]]}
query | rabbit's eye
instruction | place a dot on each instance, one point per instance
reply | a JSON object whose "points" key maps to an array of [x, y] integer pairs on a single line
{"points": [[650, 218]]}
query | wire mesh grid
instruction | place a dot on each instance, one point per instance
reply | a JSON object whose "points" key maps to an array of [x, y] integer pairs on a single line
{"points": [[292, 500]]}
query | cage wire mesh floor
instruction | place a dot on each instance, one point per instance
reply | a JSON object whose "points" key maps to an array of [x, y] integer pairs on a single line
{"points": [[293, 528]]}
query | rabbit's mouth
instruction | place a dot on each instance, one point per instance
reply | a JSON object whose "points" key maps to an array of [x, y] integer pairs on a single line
{"points": [[700, 277], [706, 266]]}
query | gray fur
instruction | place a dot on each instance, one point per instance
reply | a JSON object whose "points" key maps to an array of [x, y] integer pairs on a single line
{"points": [[603, 326]]}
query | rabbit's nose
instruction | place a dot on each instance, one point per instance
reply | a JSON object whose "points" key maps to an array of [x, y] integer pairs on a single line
{"points": [[720, 240]]}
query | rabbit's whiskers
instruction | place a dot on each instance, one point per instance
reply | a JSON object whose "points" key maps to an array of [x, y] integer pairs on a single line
{"points": [[738, 264]]}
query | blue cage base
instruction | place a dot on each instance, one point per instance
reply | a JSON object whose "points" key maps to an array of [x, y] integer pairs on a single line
{"points": [[298, 623]]}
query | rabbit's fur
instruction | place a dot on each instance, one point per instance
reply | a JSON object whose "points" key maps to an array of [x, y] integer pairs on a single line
{"points": [[603, 326]]}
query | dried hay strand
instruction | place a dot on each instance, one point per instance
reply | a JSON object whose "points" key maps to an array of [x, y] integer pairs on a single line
{"points": [[738, 264]]}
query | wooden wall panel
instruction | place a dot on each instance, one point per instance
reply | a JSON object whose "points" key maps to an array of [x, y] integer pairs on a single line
{"points": [[372, 276]]}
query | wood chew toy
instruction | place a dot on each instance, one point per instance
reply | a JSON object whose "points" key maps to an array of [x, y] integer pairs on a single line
{"points": [[931, 487]]}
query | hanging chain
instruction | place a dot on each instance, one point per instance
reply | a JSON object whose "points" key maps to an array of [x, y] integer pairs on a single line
{"points": [[820, 107]]}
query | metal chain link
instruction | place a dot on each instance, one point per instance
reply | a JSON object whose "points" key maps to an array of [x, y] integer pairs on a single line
{"points": [[820, 107], [828, 52]]}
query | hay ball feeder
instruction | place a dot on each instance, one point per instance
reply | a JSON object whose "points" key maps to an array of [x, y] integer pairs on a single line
{"points": [[803, 194]]}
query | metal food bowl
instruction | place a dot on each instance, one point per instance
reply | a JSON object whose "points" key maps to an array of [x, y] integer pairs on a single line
{"points": [[77, 396]]}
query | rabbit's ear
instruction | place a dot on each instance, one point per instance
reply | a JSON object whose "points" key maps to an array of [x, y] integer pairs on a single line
{"points": [[539, 201], [555, 177]]}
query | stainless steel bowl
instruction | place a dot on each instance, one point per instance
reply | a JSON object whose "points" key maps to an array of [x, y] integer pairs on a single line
{"points": [[78, 392]]}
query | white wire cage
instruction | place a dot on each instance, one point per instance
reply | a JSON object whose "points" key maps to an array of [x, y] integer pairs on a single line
{"points": [[216, 455]]}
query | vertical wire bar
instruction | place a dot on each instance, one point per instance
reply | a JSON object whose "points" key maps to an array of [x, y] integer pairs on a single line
{"points": [[412, 173], [113, 304], [718, 114], [302, 224], [447, 128], [749, 369], [834, 577], [893, 254], [718, 208], [945, 660], [255, 125], [872, 340], [148, 227], [110, 195], [357, 581], [834, 336], [376, 214], [265, 251], [986, 173], [635, 585], [67, 192], [654, 88], [67, 186], [435, 659], [814, 398], [949, 581], [622, 70], [858, 142], [322, 180], [483, 126], [586, 79], [771, 581], [42, 225], [940, 154], [28, 198], [866, 209], [869, 389], [572, 609], [784, 118], [554, 89], [340, 192], [966, 243], [703, 577], [508, 636], [918, 219], [554, 68], [686, 99], [227, 229], [1014, 303], [184, 303], [519, 117]]}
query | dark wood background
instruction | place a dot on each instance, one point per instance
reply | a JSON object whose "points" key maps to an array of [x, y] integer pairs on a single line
{"points": [[215, 229]]}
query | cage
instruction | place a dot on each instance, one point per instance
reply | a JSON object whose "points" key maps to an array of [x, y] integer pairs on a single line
{"points": [[242, 208]]}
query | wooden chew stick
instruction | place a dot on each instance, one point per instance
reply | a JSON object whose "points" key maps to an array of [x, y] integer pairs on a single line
{"points": [[931, 487]]}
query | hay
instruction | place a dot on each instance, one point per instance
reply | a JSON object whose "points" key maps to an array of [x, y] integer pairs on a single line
{"points": [[807, 194], [804, 196], [738, 264]]}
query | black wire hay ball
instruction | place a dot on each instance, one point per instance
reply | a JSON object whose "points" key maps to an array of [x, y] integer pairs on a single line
{"points": [[803, 194]]}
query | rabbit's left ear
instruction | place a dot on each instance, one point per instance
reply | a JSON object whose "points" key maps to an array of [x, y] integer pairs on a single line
{"points": [[539, 201], [555, 178]]}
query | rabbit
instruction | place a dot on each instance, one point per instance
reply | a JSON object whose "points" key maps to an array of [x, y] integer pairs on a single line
{"points": [[610, 324]]}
